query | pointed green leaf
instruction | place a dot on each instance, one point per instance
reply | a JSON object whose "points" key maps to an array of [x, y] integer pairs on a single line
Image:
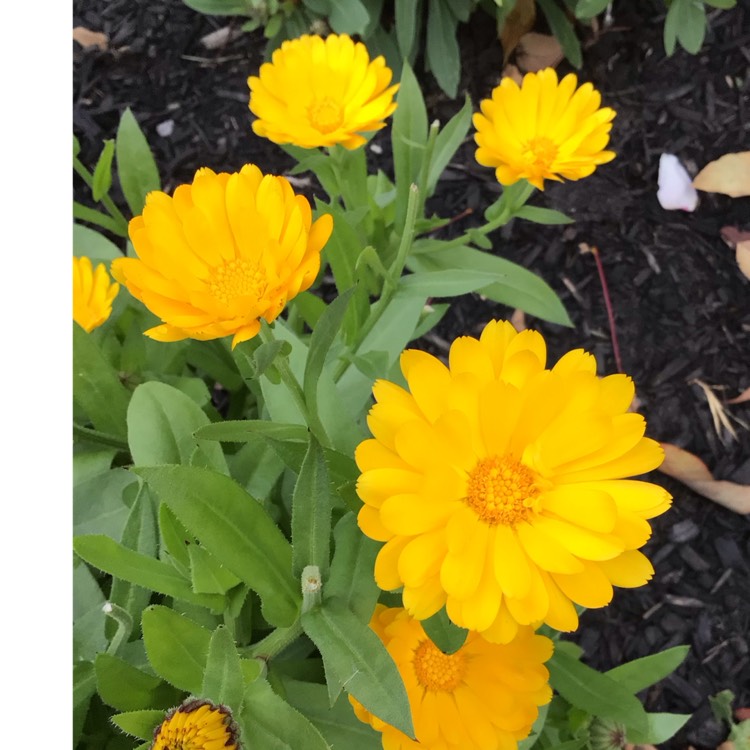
{"points": [[591, 691], [240, 430], [223, 679], [641, 673], [311, 513], [563, 30], [441, 49], [136, 167], [357, 658], [84, 687], [408, 26], [102, 181], [541, 215], [127, 688], [140, 724], [352, 581], [96, 387], [447, 142], [661, 727], [209, 576], [236, 530], [273, 724], [174, 539], [161, 423], [448, 283], [94, 245], [443, 633], [177, 647], [107, 555]]}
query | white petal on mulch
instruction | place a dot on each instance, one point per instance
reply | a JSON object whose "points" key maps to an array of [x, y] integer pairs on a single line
{"points": [[676, 189], [165, 129]]}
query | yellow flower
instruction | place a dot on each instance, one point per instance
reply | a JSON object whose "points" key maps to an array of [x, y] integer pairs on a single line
{"points": [[484, 695], [222, 253], [498, 486], [197, 725], [320, 92], [93, 294], [543, 130]]}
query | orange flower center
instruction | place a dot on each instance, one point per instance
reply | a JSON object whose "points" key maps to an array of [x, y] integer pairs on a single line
{"points": [[501, 490], [237, 278], [436, 670], [325, 115], [540, 153]]}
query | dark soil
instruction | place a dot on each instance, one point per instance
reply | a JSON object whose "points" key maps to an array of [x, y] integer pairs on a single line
{"points": [[682, 307]]}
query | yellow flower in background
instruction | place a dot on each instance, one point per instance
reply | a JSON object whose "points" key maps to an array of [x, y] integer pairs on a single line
{"points": [[543, 130], [197, 725], [484, 695], [499, 487], [320, 92], [93, 294], [222, 253]]}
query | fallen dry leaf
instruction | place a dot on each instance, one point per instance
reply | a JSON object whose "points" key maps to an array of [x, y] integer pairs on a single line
{"points": [[87, 38], [511, 71], [732, 236], [518, 319], [690, 470], [519, 22], [744, 396], [730, 174], [742, 253], [742, 714], [728, 745], [220, 37], [718, 412], [538, 51]]}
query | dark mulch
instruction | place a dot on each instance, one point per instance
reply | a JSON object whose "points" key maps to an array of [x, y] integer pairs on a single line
{"points": [[682, 307]]}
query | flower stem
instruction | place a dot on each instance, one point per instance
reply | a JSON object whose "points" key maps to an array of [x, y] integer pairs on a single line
{"points": [[105, 200], [610, 311], [274, 643]]}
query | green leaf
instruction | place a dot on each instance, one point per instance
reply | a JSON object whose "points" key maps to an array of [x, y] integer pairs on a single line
{"points": [[140, 724], [220, 7], [408, 139], [174, 539], [93, 245], [443, 633], [97, 389], [177, 647], [102, 181], [723, 4], [236, 530], [208, 575], [595, 693], [447, 142], [355, 656], [348, 16], [408, 25], [541, 215], [586, 9], [639, 674], [536, 729], [441, 51], [340, 250], [661, 727], [127, 688], [320, 344], [99, 506], [242, 430], [311, 513], [563, 30], [136, 167], [352, 581], [686, 22], [337, 723], [84, 687], [310, 308], [88, 619], [161, 423], [92, 216], [223, 679], [273, 724], [107, 555], [448, 283]]}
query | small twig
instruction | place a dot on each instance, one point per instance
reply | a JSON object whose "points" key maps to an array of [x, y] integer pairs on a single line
{"points": [[607, 303]]}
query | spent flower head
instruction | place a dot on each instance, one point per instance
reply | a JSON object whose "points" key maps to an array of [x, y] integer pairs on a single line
{"points": [[93, 294], [543, 130], [320, 92], [499, 486], [223, 253], [483, 695]]}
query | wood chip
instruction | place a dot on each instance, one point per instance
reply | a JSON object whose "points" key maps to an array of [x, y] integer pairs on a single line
{"points": [[729, 175]]}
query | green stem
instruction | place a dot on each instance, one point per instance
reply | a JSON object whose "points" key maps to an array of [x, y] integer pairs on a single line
{"points": [[105, 200], [103, 438], [274, 643], [426, 165]]}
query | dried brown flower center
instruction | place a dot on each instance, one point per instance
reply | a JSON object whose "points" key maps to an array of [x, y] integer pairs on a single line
{"points": [[436, 670], [501, 490]]}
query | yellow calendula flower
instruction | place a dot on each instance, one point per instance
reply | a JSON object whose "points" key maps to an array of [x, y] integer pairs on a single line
{"points": [[543, 130], [197, 725], [222, 253], [485, 695], [320, 92], [93, 294], [499, 487]]}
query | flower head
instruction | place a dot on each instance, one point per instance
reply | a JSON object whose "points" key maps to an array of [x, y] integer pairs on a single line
{"points": [[499, 487], [483, 695], [222, 253], [320, 92], [197, 725], [543, 130], [93, 294]]}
